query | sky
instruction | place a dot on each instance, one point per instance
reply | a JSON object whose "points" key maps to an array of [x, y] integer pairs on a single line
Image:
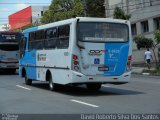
{"points": [[8, 7]]}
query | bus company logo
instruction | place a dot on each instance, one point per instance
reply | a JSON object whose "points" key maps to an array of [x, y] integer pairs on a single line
{"points": [[41, 57], [96, 52]]}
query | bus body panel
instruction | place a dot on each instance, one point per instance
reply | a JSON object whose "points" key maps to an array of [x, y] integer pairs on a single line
{"points": [[29, 63], [58, 66], [111, 56], [79, 78], [116, 58], [99, 62]]}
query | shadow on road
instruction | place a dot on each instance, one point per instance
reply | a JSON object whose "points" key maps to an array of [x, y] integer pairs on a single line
{"points": [[83, 91]]}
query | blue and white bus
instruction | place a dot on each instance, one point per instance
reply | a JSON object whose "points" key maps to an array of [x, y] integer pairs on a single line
{"points": [[82, 50]]}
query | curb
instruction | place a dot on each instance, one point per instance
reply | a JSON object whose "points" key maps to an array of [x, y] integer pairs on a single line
{"points": [[146, 74]]}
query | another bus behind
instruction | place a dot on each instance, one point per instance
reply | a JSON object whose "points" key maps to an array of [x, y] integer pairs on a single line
{"points": [[9, 51]]}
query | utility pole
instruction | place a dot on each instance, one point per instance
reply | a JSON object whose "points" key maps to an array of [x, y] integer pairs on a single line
{"points": [[107, 8], [85, 7], [127, 5]]}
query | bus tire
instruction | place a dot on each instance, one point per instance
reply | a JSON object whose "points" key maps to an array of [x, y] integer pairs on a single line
{"points": [[52, 85], [93, 86], [28, 81]]}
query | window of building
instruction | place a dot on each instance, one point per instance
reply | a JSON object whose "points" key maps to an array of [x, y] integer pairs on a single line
{"points": [[157, 23], [41, 13], [144, 26], [134, 29]]}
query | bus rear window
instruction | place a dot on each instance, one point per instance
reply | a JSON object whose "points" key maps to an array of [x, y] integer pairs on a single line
{"points": [[103, 32], [9, 47]]}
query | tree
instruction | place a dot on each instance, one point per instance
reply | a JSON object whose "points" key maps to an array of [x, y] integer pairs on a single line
{"points": [[157, 39], [63, 9], [120, 14], [143, 42], [95, 8]]}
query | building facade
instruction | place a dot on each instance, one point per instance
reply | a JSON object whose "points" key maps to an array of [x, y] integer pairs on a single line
{"points": [[27, 16], [4, 27], [145, 20]]}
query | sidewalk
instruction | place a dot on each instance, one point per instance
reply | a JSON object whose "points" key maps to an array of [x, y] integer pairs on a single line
{"points": [[139, 70]]}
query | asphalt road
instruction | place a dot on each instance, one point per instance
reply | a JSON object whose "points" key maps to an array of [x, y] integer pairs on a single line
{"points": [[141, 95]]}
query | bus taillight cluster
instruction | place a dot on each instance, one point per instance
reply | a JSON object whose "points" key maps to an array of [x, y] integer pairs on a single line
{"points": [[75, 63], [128, 68]]}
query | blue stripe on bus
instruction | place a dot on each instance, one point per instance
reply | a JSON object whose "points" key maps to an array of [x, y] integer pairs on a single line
{"points": [[116, 58], [30, 30], [30, 60], [30, 57]]}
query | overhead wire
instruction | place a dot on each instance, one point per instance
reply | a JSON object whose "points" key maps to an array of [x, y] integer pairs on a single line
{"points": [[124, 7]]}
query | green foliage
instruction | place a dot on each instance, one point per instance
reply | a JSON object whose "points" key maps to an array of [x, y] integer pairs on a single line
{"points": [[143, 42], [63, 9], [157, 36], [46, 17], [157, 39], [120, 14], [95, 8], [155, 71]]}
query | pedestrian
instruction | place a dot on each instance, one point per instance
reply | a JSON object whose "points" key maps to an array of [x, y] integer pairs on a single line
{"points": [[148, 57]]}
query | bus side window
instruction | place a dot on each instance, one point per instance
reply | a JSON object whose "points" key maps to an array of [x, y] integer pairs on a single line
{"points": [[63, 37], [39, 40], [31, 40], [51, 37]]}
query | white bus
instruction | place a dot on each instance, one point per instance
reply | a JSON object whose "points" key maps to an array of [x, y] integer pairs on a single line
{"points": [[82, 50], [9, 51]]}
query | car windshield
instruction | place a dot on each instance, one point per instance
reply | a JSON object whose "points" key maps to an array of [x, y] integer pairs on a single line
{"points": [[102, 32]]}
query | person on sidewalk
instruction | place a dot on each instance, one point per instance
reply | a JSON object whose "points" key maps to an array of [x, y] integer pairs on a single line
{"points": [[148, 57]]}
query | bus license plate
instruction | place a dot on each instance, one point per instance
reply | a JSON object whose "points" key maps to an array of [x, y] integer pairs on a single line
{"points": [[103, 68]]}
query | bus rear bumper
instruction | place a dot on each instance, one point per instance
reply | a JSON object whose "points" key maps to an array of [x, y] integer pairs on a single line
{"points": [[9, 66], [81, 78]]}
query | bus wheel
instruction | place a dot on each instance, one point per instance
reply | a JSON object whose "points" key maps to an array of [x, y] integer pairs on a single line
{"points": [[52, 86], [93, 86], [27, 81]]}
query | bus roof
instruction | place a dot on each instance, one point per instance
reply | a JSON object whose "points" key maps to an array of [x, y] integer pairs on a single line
{"points": [[81, 19]]}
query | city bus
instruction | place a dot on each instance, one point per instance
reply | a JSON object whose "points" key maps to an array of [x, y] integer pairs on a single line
{"points": [[9, 51], [77, 51]]}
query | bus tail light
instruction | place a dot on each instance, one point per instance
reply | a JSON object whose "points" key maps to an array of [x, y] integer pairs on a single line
{"points": [[75, 63], [75, 57], [128, 67]]}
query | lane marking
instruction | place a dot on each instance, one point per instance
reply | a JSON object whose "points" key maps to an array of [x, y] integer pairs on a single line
{"points": [[23, 87], [84, 103], [106, 86]]}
